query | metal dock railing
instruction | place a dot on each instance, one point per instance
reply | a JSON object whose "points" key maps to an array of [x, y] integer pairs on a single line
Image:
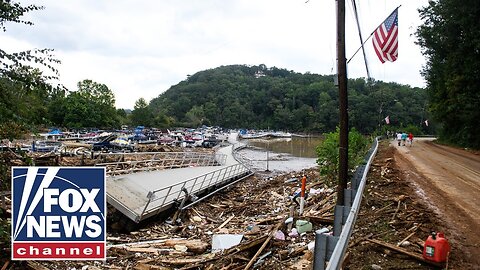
{"points": [[125, 163], [143, 193]]}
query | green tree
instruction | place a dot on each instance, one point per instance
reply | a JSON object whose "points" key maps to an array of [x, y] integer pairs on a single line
{"points": [[450, 40], [56, 107], [12, 63], [141, 114], [24, 89], [261, 97], [21, 105], [123, 117], [92, 105], [195, 116]]}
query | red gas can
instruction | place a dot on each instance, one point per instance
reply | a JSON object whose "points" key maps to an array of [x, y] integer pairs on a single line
{"points": [[436, 248]]}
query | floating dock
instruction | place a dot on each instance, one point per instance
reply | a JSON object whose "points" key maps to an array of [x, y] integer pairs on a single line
{"points": [[142, 194]]}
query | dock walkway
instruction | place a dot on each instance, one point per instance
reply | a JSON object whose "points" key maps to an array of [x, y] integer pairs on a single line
{"points": [[144, 194]]}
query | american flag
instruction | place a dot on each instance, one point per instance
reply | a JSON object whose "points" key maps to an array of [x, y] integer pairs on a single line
{"points": [[385, 39]]}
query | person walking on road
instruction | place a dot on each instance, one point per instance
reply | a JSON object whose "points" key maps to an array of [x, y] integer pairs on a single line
{"points": [[404, 138], [399, 138], [410, 138]]}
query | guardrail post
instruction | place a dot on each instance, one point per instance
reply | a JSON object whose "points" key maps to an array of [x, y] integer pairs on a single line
{"points": [[357, 177], [320, 251], [338, 220], [348, 198], [340, 216], [324, 247]]}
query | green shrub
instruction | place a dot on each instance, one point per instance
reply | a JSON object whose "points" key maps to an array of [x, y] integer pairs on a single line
{"points": [[328, 157]]}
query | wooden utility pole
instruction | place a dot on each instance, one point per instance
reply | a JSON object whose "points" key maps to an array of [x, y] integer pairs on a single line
{"points": [[343, 102]]}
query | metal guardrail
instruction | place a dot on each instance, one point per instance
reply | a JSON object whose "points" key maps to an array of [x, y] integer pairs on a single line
{"points": [[121, 163], [162, 198], [321, 241], [241, 158], [139, 206]]}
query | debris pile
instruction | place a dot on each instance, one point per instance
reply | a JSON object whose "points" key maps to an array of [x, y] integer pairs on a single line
{"points": [[255, 224], [393, 222]]}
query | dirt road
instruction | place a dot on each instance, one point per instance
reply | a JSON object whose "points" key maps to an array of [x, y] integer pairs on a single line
{"points": [[449, 181]]}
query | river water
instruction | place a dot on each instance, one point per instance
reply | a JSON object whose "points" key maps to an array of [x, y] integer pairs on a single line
{"points": [[284, 155]]}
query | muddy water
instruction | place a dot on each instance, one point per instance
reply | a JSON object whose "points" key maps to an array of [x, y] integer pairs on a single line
{"points": [[284, 155]]}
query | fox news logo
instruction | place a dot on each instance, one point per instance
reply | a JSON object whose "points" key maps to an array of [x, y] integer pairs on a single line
{"points": [[58, 213]]}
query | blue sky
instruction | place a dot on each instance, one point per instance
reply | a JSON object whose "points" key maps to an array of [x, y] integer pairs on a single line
{"points": [[141, 48]]}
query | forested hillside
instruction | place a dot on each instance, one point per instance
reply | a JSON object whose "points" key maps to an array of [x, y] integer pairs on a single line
{"points": [[450, 40], [260, 97]]}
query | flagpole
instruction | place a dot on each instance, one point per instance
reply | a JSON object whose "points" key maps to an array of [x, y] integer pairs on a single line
{"points": [[361, 39], [361, 46]]}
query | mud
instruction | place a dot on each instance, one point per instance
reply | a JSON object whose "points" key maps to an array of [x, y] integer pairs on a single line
{"points": [[393, 179]]}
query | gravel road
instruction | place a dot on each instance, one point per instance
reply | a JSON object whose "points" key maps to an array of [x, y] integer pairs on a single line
{"points": [[449, 180]]}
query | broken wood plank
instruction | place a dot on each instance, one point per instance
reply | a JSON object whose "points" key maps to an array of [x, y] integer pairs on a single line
{"points": [[408, 237], [322, 220], [361, 239], [415, 227], [282, 221], [180, 262], [143, 266], [327, 199], [5, 265], [286, 254], [195, 246], [245, 246], [228, 252], [396, 211], [146, 261], [211, 219], [141, 244], [91, 267], [117, 239], [415, 256], [226, 221], [383, 208], [326, 209], [198, 213], [216, 205], [149, 250]]}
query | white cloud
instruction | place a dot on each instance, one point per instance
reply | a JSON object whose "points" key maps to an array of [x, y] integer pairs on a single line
{"points": [[141, 48]]}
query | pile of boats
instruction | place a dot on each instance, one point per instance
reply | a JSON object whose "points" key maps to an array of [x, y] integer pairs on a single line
{"points": [[129, 140], [120, 140]]}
